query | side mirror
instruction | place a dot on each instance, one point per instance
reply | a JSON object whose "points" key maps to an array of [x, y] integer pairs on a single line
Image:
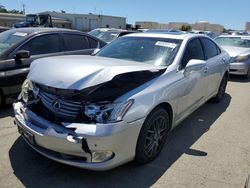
{"points": [[194, 65], [95, 51], [21, 54]]}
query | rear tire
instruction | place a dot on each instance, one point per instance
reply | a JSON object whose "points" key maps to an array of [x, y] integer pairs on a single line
{"points": [[152, 136], [222, 89]]}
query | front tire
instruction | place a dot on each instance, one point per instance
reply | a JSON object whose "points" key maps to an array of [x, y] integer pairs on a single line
{"points": [[152, 136], [248, 73], [1, 100], [222, 89]]}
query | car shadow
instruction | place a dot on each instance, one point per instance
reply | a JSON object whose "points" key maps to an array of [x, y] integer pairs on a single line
{"points": [[34, 170], [238, 78], [6, 111]]}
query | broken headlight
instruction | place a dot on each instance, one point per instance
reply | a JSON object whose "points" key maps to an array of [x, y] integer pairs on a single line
{"points": [[29, 91], [106, 112]]}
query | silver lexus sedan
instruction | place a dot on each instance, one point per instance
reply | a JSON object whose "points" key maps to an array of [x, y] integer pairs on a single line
{"points": [[98, 112], [238, 47]]}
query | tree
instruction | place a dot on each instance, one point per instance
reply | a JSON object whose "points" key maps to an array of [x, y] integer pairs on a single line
{"points": [[186, 27], [3, 9], [13, 11]]}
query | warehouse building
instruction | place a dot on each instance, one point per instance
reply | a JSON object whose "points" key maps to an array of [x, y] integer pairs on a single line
{"points": [[247, 28], [87, 22], [9, 19], [82, 22], [206, 26]]}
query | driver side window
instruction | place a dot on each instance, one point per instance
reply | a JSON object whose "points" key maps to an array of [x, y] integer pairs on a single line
{"points": [[193, 51], [44, 44]]}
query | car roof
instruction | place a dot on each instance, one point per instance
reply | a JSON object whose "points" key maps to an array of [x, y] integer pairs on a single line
{"points": [[171, 35], [31, 30]]}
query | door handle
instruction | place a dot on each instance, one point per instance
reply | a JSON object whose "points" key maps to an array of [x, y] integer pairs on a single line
{"points": [[205, 70]]}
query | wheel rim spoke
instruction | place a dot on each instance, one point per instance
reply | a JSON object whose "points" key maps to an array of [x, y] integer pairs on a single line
{"points": [[156, 134]]}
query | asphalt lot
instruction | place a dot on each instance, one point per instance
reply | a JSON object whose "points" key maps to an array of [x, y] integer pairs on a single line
{"points": [[211, 148]]}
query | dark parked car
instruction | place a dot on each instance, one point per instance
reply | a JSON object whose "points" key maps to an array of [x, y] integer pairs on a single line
{"points": [[19, 47]]}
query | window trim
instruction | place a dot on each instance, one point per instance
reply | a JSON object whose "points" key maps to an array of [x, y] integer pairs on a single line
{"points": [[181, 67], [11, 54], [203, 45]]}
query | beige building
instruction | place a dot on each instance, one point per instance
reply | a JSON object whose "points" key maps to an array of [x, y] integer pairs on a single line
{"points": [[201, 25], [152, 25], [247, 28], [8, 20], [176, 25], [206, 26]]}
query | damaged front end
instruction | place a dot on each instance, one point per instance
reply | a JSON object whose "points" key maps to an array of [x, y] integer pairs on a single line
{"points": [[83, 128]]}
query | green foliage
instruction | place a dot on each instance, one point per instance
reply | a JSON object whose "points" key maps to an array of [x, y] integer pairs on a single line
{"points": [[13, 11], [186, 27]]}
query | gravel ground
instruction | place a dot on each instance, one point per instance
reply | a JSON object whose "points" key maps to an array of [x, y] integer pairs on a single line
{"points": [[211, 148]]}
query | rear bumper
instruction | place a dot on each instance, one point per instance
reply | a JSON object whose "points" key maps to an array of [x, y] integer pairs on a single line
{"points": [[239, 68], [75, 144]]}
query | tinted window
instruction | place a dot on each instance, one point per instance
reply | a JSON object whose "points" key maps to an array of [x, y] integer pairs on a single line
{"points": [[43, 45], [75, 42], [210, 48], [93, 43], [193, 51]]}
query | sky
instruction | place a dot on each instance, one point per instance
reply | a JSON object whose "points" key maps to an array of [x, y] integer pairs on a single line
{"points": [[230, 13]]}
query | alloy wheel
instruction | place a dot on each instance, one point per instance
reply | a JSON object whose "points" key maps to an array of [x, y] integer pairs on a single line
{"points": [[155, 136]]}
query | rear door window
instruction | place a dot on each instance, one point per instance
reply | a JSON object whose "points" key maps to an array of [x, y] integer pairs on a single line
{"points": [[75, 42], [192, 51], [44, 44], [210, 48], [93, 42]]}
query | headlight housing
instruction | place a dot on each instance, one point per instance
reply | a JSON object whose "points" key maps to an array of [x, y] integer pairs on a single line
{"points": [[29, 91], [241, 58], [106, 112]]}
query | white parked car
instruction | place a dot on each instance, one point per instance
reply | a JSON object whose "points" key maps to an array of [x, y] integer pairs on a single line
{"points": [[98, 112], [238, 47]]}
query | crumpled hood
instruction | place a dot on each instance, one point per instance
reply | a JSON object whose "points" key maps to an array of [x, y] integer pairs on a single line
{"points": [[79, 71], [235, 51]]}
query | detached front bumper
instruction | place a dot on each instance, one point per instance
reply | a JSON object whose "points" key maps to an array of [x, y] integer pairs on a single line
{"points": [[89, 146], [239, 68]]}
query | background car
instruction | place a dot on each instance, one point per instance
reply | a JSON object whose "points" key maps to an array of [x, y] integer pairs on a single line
{"points": [[109, 36], [238, 47], [125, 102], [97, 31], [19, 47]]}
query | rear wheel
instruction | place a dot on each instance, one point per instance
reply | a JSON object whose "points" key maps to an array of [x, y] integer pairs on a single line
{"points": [[152, 136], [222, 90]]}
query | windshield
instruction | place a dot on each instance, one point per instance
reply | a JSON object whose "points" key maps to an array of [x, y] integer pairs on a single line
{"points": [[95, 32], [30, 18], [156, 51], [233, 41], [10, 38], [108, 36]]}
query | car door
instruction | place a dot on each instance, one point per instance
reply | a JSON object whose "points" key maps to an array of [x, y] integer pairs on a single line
{"points": [[214, 60], [191, 87], [76, 44], [39, 46]]}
